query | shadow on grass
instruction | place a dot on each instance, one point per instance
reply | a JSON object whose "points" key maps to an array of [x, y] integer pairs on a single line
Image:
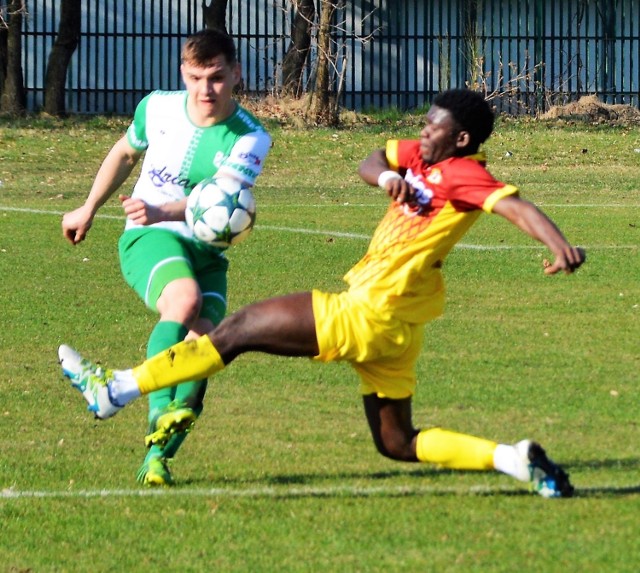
{"points": [[624, 465], [607, 491], [586, 465], [384, 483], [308, 479]]}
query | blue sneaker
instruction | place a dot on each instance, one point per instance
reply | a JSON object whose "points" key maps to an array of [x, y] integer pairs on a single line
{"points": [[91, 380], [545, 477]]}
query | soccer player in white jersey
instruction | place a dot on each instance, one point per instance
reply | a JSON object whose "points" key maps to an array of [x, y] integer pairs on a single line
{"points": [[185, 136]]}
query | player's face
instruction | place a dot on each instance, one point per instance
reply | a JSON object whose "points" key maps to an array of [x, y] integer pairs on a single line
{"points": [[210, 90], [440, 137]]}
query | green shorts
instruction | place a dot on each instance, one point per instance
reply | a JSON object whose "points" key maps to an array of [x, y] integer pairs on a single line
{"points": [[383, 352], [151, 258]]}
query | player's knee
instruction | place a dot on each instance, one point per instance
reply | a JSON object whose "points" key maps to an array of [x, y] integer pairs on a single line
{"points": [[183, 307], [190, 305]]}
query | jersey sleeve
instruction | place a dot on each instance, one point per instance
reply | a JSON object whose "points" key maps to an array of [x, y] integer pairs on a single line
{"points": [[472, 187], [498, 194], [401, 154], [246, 159], [137, 131]]}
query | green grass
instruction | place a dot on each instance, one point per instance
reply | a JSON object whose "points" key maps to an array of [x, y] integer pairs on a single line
{"points": [[280, 473]]}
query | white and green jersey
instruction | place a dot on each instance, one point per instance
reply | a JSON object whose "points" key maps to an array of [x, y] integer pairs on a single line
{"points": [[179, 154]]}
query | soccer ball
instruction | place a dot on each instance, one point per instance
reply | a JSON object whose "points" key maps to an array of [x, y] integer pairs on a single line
{"points": [[221, 211]]}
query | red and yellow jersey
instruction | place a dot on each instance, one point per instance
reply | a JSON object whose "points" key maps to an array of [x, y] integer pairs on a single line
{"points": [[400, 273]]}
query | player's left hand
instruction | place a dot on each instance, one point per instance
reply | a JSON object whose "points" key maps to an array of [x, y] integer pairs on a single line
{"points": [[139, 212], [568, 261]]}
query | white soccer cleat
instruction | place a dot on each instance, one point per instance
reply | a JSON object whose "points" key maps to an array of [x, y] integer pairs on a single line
{"points": [[89, 379], [545, 477]]}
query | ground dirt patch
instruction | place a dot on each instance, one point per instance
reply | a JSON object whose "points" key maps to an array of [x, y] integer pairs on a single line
{"points": [[590, 109]]}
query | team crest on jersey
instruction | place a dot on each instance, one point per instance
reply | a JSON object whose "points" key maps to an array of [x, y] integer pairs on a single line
{"points": [[218, 159], [435, 176]]}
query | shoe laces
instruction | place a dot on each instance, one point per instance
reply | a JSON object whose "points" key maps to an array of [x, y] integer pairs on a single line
{"points": [[97, 374]]}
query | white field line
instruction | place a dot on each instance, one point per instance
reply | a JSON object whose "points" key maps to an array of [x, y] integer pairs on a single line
{"points": [[264, 492], [364, 236], [284, 492]]}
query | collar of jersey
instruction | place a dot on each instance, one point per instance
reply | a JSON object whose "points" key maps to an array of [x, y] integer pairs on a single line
{"points": [[480, 157]]}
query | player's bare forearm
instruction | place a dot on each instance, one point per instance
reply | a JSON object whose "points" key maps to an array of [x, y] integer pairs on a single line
{"points": [[142, 213], [371, 167], [114, 171], [174, 211], [536, 224]]}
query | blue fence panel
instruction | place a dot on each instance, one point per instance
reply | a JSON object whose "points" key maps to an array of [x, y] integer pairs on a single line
{"points": [[388, 53]]}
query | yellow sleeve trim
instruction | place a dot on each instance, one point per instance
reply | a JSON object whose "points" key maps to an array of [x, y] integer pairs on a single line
{"points": [[391, 152], [491, 200]]}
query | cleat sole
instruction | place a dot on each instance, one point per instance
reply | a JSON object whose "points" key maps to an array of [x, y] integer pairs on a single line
{"points": [[169, 424]]}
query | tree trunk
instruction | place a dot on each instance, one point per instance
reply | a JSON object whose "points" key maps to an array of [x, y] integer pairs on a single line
{"points": [[4, 56], [60, 56], [13, 99], [297, 52], [215, 14], [324, 110]]}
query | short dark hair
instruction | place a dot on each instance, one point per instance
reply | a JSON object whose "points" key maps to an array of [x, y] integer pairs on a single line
{"points": [[205, 45], [470, 111]]}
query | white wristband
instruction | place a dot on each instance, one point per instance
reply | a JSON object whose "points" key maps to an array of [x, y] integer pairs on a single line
{"points": [[387, 176]]}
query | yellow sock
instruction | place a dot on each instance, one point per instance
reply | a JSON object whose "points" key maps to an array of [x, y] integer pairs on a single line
{"points": [[455, 451], [188, 360]]}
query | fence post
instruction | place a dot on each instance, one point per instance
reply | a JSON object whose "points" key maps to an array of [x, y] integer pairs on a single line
{"points": [[538, 55]]}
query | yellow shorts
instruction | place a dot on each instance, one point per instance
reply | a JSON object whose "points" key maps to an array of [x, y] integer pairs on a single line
{"points": [[382, 351]]}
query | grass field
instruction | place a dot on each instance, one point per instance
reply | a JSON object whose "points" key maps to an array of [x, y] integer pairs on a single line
{"points": [[280, 473]]}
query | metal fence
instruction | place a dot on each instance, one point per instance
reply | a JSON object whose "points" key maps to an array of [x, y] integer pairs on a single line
{"points": [[388, 53]]}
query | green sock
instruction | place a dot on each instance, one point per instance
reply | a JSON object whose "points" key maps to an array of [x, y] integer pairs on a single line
{"points": [[164, 335]]}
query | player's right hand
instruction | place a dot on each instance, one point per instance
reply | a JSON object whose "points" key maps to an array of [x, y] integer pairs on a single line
{"points": [[400, 191], [76, 224], [568, 261]]}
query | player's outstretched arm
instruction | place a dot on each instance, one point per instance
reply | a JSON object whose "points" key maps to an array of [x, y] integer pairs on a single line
{"points": [[535, 223], [113, 172]]}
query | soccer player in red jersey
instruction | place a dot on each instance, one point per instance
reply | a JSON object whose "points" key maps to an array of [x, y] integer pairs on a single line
{"points": [[439, 186]]}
